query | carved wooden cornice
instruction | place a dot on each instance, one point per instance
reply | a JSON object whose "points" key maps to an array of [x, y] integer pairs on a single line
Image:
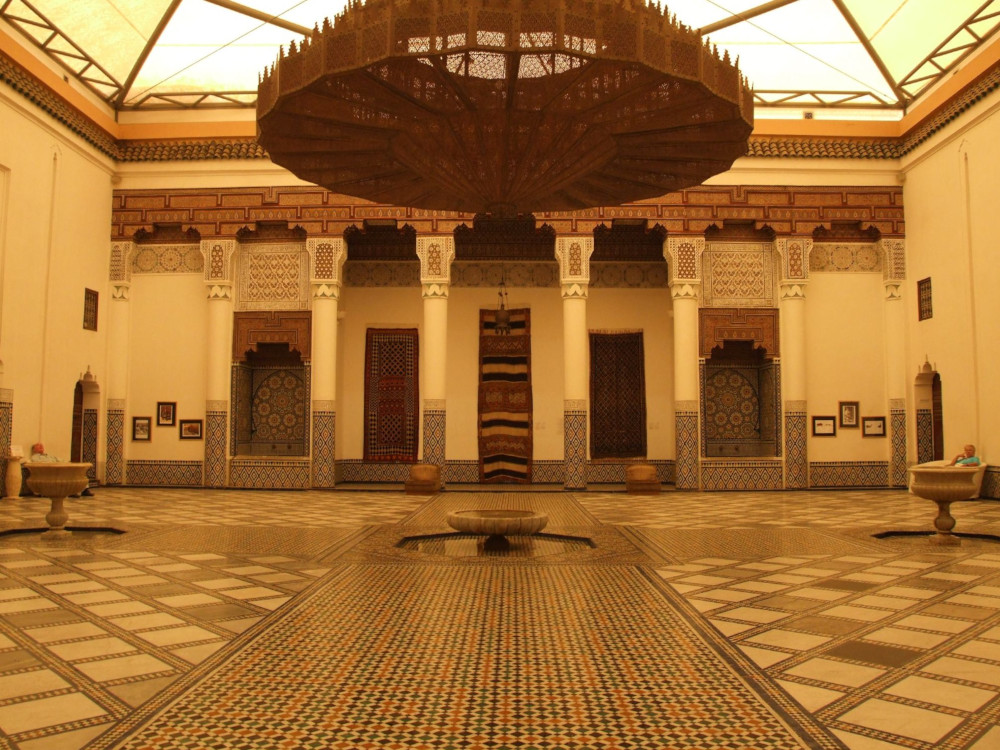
{"points": [[272, 327], [721, 324], [168, 233]]}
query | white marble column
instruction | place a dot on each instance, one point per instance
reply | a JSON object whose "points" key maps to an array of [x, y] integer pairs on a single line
{"points": [[218, 376], [327, 256], [793, 255], [436, 253], [792, 308], [894, 326], [119, 315], [684, 256], [573, 254]]}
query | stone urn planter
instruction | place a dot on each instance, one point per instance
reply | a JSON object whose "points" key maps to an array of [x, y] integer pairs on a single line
{"points": [[943, 484], [424, 479], [57, 481], [641, 479]]}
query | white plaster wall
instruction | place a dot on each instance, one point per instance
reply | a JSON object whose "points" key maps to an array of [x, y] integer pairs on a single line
{"points": [[845, 361], [167, 361], [950, 196], [55, 214]]}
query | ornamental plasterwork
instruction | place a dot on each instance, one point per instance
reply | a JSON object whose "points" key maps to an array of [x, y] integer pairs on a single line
{"points": [[739, 274], [629, 275], [684, 257], [274, 277], [436, 253], [793, 254], [845, 257], [381, 273], [573, 254], [489, 274], [120, 267], [895, 258], [328, 255], [218, 255], [168, 259]]}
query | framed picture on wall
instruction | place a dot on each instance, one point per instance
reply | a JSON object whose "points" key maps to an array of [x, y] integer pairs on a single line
{"points": [[141, 428], [873, 427], [191, 429], [166, 413], [824, 426], [849, 414]]}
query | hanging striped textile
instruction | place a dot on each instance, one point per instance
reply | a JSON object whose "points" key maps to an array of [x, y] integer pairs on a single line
{"points": [[392, 398], [505, 446]]}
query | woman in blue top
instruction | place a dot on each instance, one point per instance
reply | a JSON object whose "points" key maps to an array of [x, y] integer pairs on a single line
{"points": [[967, 457]]}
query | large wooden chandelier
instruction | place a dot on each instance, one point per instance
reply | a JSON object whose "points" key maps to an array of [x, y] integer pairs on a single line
{"points": [[504, 106]]}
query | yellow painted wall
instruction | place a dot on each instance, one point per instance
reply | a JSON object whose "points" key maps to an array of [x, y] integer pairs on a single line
{"points": [[168, 359], [845, 361], [950, 195], [55, 211]]}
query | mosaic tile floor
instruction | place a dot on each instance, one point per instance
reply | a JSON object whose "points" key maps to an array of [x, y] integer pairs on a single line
{"points": [[699, 620]]}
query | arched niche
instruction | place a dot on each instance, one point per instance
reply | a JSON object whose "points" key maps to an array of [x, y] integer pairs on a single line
{"points": [[930, 414], [740, 404]]}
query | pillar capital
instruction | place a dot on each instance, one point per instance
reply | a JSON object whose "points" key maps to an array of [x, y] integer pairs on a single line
{"points": [[326, 261], [793, 253], [120, 266], [689, 289], [433, 290], [683, 255], [893, 251], [575, 290], [121, 291], [325, 290], [893, 290], [218, 255], [573, 254], [790, 289], [436, 253], [220, 292]]}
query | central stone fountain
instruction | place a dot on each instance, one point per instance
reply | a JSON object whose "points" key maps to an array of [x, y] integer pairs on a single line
{"points": [[497, 524]]}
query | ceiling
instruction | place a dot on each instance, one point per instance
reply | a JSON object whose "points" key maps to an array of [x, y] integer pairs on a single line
{"points": [[837, 57]]}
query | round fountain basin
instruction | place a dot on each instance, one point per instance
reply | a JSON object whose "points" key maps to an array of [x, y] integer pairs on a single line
{"points": [[54, 480], [939, 482], [498, 522]]}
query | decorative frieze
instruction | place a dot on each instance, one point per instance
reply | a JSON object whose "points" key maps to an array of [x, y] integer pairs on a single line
{"points": [[845, 257], [168, 259]]}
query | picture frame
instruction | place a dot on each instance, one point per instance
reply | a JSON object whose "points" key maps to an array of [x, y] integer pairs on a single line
{"points": [[191, 429], [166, 413], [824, 426], [849, 415], [142, 429], [872, 426]]}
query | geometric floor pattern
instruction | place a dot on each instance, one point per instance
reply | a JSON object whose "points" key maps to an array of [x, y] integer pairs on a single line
{"points": [[757, 620]]}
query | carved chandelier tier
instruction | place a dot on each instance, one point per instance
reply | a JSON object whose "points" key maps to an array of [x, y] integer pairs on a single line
{"points": [[504, 106]]}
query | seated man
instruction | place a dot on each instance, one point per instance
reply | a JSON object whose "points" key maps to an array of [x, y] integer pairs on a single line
{"points": [[967, 457], [39, 455]]}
